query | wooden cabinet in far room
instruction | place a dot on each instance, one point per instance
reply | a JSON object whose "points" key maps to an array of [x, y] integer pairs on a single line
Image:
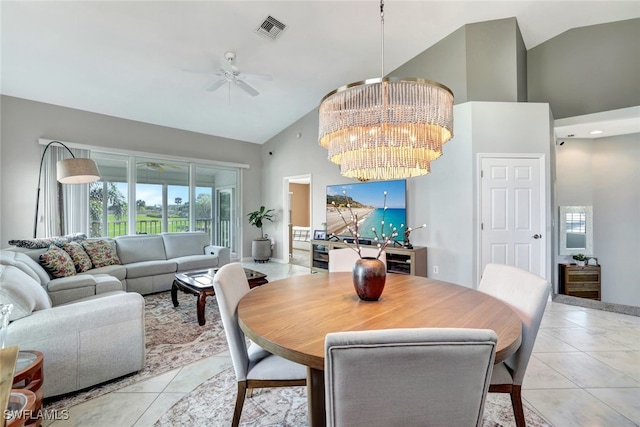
{"points": [[579, 281]]}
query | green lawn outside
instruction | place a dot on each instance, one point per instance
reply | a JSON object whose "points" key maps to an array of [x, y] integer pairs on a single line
{"points": [[145, 225]]}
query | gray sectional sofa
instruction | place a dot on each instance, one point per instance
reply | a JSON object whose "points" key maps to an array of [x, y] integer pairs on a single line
{"points": [[90, 325]]}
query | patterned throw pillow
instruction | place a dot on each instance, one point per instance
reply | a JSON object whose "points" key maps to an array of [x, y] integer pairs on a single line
{"points": [[101, 252], [57, 262], [79, 257], [45, 242]]}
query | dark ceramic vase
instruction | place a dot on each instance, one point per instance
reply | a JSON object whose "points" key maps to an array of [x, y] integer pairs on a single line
{"points": [[369, 276]]}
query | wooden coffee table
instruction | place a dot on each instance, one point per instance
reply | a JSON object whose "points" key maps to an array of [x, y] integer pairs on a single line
{"points": [[200, 284]]}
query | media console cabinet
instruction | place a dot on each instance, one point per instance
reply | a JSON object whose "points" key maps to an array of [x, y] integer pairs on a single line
{"points": [[399, 259]]}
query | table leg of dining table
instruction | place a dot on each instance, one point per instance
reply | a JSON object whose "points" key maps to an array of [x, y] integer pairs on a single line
{"points": [[315, 397]]}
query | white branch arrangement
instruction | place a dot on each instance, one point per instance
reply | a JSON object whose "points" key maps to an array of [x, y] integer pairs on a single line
{"points": [[382, 240]]}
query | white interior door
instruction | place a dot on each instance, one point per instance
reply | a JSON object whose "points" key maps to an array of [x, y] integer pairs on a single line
{"points": [[512, 213]]}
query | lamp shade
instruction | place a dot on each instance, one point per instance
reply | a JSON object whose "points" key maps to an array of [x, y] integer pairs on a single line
{"points": [[77, 171]]}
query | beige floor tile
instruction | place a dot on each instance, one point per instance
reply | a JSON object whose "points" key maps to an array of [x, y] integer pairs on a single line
{"points": [[588, 339], [557, 307], [627, 362], [159, 406], [624, 400], [586, 371], [540, 376], [548, 343], [556, 320], [574, 408], [626, 335], [195, 374], [152, 385], [618, 318], [113, 409], [586, 319]]}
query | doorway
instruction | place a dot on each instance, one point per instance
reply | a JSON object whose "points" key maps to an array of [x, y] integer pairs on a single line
{"points": [[512, 212], [297, 238]]}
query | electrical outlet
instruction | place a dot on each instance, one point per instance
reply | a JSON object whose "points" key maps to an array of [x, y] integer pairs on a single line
{"points": [[435, 269]]}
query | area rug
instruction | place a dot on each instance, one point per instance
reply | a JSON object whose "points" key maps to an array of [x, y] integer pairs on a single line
{"points": [[211, 404], [173, 339]]}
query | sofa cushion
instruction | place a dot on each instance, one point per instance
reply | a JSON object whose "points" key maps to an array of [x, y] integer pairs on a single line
{"points": [[196, 262], [79, 256], [72, 282], [101, 252], [140, 248], [183, 244], [118, 271], [21, 290], [150, 268], [25, 263], [57, 262]]}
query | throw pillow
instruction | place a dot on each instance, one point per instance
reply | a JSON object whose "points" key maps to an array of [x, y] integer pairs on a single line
{"points": [[101, 252], [57, 262], [80, 259], [45, 242]]}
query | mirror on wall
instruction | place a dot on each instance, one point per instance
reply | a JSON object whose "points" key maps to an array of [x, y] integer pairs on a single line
{"points": [[576, 230]]}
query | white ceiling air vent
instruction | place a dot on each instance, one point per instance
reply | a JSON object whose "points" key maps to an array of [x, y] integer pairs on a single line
{"points": [[271, 28]]}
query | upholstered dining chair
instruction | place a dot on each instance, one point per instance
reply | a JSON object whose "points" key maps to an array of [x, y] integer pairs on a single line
{"points": [[343, 259], [423, 376], [527, 294], [254, 367]]}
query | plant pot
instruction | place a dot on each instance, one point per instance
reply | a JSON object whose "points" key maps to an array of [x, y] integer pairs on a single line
{"points": [[369, 276], [261, 250]]}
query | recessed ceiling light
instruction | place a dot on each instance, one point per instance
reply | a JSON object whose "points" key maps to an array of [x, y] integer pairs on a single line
{"points": [[595, 132]]}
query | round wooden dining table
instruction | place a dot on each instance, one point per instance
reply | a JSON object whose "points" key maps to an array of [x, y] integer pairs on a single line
{"points": [[292, 316]]}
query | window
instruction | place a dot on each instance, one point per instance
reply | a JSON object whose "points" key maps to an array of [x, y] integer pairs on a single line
{"points": [[163, 191]]}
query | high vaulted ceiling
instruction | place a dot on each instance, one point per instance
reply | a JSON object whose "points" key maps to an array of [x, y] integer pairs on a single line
{"points": [[128, 59]]}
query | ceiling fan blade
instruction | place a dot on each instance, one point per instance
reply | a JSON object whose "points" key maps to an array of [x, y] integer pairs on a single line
{"points": [[215, 85], [197, 71], [249, 76], [244, 86]]}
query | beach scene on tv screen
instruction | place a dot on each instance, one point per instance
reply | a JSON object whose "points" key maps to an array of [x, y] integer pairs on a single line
{"points": [[367, 202]]}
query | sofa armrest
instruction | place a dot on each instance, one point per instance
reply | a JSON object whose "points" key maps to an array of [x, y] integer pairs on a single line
{"points": [[85, 342], [223, 254]]}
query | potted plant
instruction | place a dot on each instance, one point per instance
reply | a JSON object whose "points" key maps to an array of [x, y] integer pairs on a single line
{"points": [[260, 247], [580, 259]]}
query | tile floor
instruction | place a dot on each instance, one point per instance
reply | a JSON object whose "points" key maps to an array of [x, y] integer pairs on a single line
{"points": [[585, 371]]}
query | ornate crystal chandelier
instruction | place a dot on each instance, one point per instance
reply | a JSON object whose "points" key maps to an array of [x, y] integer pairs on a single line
{"points": [[386, 128]]}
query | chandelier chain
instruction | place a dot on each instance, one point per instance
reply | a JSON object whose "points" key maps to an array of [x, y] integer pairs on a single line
{"points": [[381, 38]]}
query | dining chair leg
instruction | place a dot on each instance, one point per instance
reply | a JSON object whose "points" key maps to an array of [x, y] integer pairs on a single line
{"points": [[516, 401], [237, 412]]}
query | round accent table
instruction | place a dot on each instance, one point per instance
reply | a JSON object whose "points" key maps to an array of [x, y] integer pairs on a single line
{"points": [[28, 376]]}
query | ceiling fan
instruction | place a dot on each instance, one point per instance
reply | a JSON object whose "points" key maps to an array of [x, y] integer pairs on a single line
{"points": [[159, 167], [233, 75]]}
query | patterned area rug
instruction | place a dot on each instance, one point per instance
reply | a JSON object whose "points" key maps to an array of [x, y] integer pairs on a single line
{"points": [[211, 404], [173, 339]]}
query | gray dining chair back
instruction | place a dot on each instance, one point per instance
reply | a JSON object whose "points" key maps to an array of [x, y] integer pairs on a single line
{"points": [[408, 377], [343, 259], [527, 294], [254, 367]]}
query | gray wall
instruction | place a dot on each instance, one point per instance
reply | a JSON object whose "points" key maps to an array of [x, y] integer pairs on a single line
{"points": [[604, 173], [587, 70], [24, 122], [479, 62]]}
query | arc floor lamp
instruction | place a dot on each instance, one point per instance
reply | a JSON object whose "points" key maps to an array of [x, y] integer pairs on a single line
{"points": [[76, 170]]}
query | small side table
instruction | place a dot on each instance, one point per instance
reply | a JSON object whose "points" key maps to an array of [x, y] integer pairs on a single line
{"points": [[21, 402], [28, 376]]}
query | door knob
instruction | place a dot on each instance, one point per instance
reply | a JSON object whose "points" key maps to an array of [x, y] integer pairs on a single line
{"points": [[537, 236]]}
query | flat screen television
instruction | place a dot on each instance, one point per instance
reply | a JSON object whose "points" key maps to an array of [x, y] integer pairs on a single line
{"points": [[367, 200]]}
